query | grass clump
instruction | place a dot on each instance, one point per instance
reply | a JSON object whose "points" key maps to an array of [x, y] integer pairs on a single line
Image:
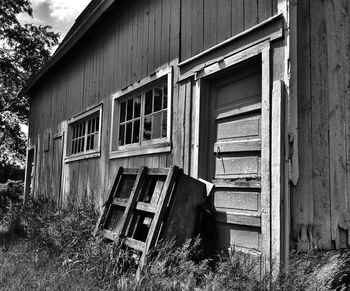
{"points": [[58, 252]]}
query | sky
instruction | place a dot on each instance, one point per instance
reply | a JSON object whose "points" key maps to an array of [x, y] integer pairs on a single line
{"points": [[60, 14]]}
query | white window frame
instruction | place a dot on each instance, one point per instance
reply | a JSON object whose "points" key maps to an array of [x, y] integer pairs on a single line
{"points": [[85, 154], [143, 147]]}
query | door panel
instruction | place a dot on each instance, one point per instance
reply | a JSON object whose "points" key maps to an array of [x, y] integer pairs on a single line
{"points": [[227, 166], [242, 127], [226, 200], [234, 165], [238, 235]]}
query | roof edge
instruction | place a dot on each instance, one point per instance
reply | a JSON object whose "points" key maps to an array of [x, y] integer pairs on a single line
{"points": [[68, 44]]}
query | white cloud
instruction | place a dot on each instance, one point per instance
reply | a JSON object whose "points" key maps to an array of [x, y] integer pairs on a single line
{"points": [[63, 10]]}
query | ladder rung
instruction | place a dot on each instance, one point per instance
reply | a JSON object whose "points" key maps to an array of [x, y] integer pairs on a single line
{"points": [[135, 244], [120, 202], [142, 206]]}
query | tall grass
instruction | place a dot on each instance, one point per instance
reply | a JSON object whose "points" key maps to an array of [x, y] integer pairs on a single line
{"points": [[59, 253]]}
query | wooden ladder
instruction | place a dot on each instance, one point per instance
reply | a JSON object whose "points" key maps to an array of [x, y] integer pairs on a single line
{"points": [[135, 209]]}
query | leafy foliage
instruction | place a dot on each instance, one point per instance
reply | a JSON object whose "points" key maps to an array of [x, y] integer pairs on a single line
{"points": [[24, 48]]}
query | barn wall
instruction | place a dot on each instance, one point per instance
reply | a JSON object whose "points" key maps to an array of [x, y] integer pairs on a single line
{"points": [[205, 23], [126, 45], [321, 199], [129, 44]]}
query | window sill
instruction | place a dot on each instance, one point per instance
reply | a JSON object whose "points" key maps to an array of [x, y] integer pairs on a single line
{"points": [[139, 151], [82, 157]]}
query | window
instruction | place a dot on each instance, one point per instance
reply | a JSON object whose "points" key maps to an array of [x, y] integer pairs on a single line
{"points": [[141, 118], [84, 135]]}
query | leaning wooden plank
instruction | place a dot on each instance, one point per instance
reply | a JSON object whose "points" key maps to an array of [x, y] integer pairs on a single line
{"points": [[106, 205], [158, 217], [132, 202]]}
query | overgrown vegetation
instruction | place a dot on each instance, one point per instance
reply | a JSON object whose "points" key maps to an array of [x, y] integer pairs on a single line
{"points": [[48, 249]]}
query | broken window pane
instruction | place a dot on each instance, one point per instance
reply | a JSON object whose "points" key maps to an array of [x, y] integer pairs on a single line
{"points": [[157, 99], [137, 109], [130, 109], [147, 128]]}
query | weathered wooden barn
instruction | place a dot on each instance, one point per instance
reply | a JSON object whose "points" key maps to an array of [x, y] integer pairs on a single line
{"points": [[250, 95]]}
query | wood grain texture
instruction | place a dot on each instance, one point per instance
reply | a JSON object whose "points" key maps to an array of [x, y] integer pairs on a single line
{"points": [[320, 124]]}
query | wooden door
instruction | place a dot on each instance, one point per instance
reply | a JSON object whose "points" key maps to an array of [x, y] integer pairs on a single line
{"points": [[235, 160], [56, 177]]}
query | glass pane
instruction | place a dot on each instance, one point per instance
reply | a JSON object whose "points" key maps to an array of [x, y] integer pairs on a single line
{"points": [[121, 134], [93, 129], [165, 97], [88, 142], [130, 109], [73, 147], [137, 108], [122, 111], [164, 123], [148, 102], [136, 132], [157, 125], [157, 99], [93, 142], [97, 123], [82, 145], [128, 133], [89, 126], [147, 128]]}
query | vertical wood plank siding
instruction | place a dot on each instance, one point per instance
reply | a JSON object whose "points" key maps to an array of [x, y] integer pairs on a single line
{"points": [[320, 201], [128, 44], [205, 23]]}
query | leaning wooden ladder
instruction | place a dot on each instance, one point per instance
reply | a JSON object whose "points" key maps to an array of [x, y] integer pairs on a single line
{"points": [[136, 206]]}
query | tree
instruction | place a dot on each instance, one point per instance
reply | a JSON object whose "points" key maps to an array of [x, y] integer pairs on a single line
{"points": [[24, 48]]}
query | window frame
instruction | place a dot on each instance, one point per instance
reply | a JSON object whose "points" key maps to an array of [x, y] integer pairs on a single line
{"points": [[84, 116], [142, 147]]}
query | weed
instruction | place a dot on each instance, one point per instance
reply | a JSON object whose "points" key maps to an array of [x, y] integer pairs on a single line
{"points": [[58, 252]]}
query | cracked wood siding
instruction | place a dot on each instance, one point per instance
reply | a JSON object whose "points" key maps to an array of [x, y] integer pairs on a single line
{"points": [[320, 200]]}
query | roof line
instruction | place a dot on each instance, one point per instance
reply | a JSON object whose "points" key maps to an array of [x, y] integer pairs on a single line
{"points": [[68, 43]]}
